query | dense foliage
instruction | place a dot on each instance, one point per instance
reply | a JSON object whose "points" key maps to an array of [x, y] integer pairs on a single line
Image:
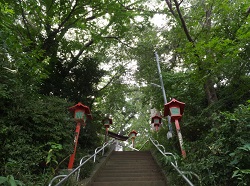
{"points": [[57, 53], [207, 49], [224, 149]]}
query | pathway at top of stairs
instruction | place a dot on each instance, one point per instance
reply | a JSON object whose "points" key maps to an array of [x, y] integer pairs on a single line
{"points": [[129, 168]]}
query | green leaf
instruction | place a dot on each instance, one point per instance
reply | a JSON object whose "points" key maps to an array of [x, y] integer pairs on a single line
{"points": [[3, 179], [246, 147], [236, 173], [12, 181], [245, 171]]}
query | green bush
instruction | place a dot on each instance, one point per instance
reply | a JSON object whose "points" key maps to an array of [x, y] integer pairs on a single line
{"points": [[36, 135], [221, 157], [9, 181]]}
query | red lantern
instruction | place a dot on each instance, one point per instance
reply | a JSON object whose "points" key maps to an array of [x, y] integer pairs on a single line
{"points": [[132, 135], [174, 109], [156, 121], [106, 123], [81, 113]]}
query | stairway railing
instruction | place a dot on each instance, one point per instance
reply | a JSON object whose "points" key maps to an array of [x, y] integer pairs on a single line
{"points": [[132, 148], [162, 150], [77, 169]]}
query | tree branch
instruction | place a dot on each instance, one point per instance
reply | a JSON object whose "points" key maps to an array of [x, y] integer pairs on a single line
{"points": [[117, 75], [169, 3], [67, 18], [25, 21], [86, 45], [119, 40], [180, 2], [183, 23], [130, 8], [248, 11]]}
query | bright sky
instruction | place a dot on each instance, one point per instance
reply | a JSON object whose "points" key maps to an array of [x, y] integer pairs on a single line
{"points": [[159, 20]]}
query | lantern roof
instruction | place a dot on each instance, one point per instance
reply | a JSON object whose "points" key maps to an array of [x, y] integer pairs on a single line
{"points": [[117, 136], [80, 106], [155, 116], [173, 103], [107, 118], [133, 131]]}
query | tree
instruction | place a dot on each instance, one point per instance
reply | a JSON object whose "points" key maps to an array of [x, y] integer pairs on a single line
{"points": [[52, 49], [203, 50], [81, 51], [203, 59], [72, 37]]}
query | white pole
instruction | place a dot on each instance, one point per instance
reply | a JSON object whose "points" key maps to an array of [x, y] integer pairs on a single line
{"points": [[170, 132]]}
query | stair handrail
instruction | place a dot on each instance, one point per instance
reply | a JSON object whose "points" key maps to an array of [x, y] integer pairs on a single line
{"points": [[87, 156], [56, 177], [143, 144], [134, 149], [162, 150], [66, 177], [79, 170]]}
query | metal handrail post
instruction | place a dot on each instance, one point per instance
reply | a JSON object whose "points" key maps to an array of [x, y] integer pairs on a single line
{"points": [[103, 148], [96, 151], [56, 177], [180, 172], [78, 173], [164, 153]]}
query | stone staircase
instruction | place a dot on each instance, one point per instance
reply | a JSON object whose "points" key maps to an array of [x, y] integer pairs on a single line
{"points": [[129, 168]]}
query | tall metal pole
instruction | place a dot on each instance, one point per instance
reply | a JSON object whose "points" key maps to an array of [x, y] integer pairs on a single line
{"points": [[170, 132]]}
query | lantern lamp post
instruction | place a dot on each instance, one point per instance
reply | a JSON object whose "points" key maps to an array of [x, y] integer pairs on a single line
{"points": [[81, 113], [106, 123], [156, 121], [175, 109], [132, 135]]}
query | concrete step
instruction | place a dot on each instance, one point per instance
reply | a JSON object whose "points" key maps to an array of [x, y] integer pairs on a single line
{"points": [[129, 169], [131, 166], [118, 163], [131, 154], [130, 158], [124, 158], [121, 179], [130, 183], [129, 174], [111, 161], [137, 170]]}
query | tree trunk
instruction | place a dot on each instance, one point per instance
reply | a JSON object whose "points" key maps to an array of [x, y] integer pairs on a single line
{"points": [[209, 84], [210, 91]]}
